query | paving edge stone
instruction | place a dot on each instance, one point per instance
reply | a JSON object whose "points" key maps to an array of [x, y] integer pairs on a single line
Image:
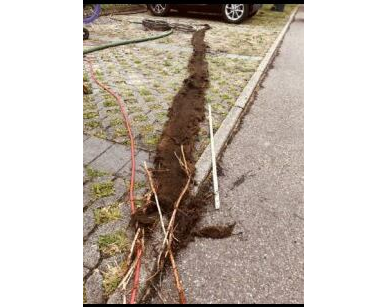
{"points": [[225, 131]]}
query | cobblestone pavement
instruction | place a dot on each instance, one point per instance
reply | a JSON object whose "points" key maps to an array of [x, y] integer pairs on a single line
{"points": [[148, 76]]}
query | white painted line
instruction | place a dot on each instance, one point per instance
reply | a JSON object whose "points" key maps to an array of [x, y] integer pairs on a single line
{"points": [[214, 170]]}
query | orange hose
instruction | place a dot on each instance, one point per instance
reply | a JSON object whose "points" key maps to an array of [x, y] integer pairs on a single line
{"points": [[136, 281], [132, 178], [127, 124]]}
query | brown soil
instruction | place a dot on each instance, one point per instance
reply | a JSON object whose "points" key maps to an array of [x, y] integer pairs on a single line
{"points": [[215, 232], [87, 89], [182, 128]]}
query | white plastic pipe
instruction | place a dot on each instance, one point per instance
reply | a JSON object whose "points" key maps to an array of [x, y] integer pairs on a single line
{"points": [[214, 170]]}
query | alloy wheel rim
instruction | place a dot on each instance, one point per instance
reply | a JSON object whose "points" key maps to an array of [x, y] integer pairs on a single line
{"points": [[234, 11]]}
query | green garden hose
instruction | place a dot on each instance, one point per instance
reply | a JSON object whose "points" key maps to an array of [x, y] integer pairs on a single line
{"points": [[127, 42]]}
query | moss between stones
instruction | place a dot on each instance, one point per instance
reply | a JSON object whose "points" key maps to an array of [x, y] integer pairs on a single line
{"points": [[145, 92], [149, 99], [140, 118], [93, 173], [118, 132], [107, 214], [151, 140], [113, 277], [92, 124], [147, 129], [103, 189], [116, 122], [100, 134], [90, 115], [113, 244], [109, 103]]}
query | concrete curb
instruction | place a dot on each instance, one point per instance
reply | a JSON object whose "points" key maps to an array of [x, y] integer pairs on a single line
{"points": [[225, 131]]}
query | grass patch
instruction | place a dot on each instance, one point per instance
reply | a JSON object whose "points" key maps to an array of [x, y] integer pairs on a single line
{"points": [[145, 92], [113, 244], [266, 17], [107, 214], [146, 129], [156, 107], [100, 134], [225, 97], [116, 122], [140, 118], [113, 111], [149, 99], [120, 132], [113, 277], [103, 189], [92, 124], [93, 173], [162, 116], [151, 140], [90, 115], [109, 103]]}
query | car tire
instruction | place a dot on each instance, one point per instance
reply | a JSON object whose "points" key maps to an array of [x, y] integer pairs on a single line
{"points": [[159, 9], [235, 13]]}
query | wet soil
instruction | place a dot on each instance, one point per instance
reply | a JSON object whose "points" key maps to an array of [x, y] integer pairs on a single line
{"points": [[215, 232], [182, 128]]}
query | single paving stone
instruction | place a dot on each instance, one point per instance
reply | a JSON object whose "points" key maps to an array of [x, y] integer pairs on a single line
{"points": [[125, 211], [94, 147], [88, 222], [91, 256], [141, 156], [121, 187], [113, 159], [115, 299], [94, 289]]}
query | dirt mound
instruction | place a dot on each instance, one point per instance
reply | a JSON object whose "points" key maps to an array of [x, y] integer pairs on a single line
{"points": [[215, 232], [182, 128]]}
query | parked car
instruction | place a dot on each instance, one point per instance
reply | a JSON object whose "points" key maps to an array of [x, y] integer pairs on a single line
{"points": [[232, 13]]}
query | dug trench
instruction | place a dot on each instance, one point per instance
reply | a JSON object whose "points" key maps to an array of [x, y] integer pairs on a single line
{"points": [[180, 133]]}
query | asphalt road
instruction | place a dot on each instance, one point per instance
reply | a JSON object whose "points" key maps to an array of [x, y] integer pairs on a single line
{"points": [[262, 190]]}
